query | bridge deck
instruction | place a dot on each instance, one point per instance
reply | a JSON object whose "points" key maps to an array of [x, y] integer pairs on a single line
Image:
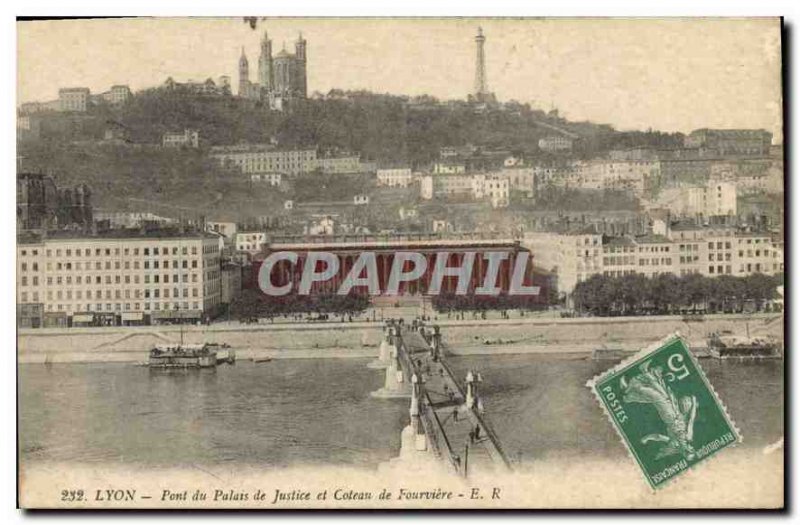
{"points": [[451, 421]]}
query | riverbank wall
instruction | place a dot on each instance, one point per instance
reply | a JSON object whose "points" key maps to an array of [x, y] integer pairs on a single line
{"points": [[339, 340]]}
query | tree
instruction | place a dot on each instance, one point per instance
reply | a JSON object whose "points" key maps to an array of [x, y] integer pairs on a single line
{"points": [[664, 292]]}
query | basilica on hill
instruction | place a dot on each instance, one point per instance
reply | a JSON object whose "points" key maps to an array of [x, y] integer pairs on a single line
{"points": [[281, 78]]}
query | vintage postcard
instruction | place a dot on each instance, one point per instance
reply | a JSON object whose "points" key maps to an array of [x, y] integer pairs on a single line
{"points": [[342, 263]]}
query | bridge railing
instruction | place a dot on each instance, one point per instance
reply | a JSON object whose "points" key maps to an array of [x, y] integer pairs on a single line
{"points": [[430, 420], [490, 433]]}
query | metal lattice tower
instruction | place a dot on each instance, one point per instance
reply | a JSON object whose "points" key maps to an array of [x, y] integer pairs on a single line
{"points": [[481, 89]]}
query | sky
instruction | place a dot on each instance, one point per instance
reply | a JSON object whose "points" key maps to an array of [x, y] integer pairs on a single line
{"points": [[665, 74]]}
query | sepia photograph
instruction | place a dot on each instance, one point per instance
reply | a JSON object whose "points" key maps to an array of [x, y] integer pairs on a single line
{"points": [[400, 263]]}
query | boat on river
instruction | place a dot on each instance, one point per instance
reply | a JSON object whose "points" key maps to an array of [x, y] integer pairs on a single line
{"points": [[728, 346], [611, 354], [205, 355]]}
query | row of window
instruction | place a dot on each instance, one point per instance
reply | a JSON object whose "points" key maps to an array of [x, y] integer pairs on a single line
{"points": [[118, 294], [118, 265], [99, 280], [98, 307], [98, 252], [719, 256]]}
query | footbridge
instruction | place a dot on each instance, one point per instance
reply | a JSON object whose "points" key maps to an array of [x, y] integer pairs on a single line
{"points": [[447, 419]]}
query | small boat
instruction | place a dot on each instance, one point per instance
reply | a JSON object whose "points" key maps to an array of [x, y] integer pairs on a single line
{"points": [[206, 355], [742, 347], [262, 359], [603, 353]]}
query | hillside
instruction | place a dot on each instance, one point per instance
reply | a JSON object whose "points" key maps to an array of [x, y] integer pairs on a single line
{"points": [[378, 126], [385, 128]]}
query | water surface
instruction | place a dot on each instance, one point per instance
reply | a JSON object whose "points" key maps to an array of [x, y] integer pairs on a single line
{"points": [[319, 411]]}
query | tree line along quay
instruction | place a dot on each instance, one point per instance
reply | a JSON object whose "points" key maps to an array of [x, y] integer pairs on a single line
{"points": [[666, 294]]}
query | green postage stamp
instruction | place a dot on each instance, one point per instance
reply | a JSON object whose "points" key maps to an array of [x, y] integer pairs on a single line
{"points": [[666, 411]]}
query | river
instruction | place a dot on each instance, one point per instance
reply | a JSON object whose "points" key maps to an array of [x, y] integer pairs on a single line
{"points": [[318, 411]]}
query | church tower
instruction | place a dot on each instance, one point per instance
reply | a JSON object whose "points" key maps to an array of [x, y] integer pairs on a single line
{"points": [[300, 57], [244, 75], [265, 64]]}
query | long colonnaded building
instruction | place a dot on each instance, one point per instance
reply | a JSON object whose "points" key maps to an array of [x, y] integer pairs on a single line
{"points": [[348, 248]]}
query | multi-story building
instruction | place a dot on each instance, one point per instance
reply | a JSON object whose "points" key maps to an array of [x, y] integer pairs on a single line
{"points": [[520, 179], [344, 164], [655, 254], [265, 158], [188, 138], [629, 175], [394, 177], [449, 186], [250, 241], [449, 168], [118, 95], [711, 200], [74, 99], [756, 253], [619, 256], [228, 229], [131, 219], [572, 256], [751, 175], [24, 122], [30, 108], [684, 172], [118, 277], [231, 282], [725, 142], [449, 152], [206, 88], [493, 187], [555, 143], [273, 179]]}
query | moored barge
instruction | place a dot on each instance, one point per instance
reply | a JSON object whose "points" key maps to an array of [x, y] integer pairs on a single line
{"points": [[205, 355], [741, 347]]}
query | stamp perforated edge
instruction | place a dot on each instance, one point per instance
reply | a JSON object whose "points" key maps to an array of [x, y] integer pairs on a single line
{"points": [[627, 362]]}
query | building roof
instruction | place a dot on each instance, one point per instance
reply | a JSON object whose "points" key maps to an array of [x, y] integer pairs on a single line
{"points": [[618, 241], [246, 148], [114, 234], [686, 226], [651, 238], [574, 230]]}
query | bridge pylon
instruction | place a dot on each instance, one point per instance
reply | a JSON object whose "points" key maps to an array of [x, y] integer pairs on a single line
{"points": [[384, 350], [395, 384]]}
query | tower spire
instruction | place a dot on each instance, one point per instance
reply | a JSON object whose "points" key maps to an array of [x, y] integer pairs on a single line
{"points": [[481, 88]]}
